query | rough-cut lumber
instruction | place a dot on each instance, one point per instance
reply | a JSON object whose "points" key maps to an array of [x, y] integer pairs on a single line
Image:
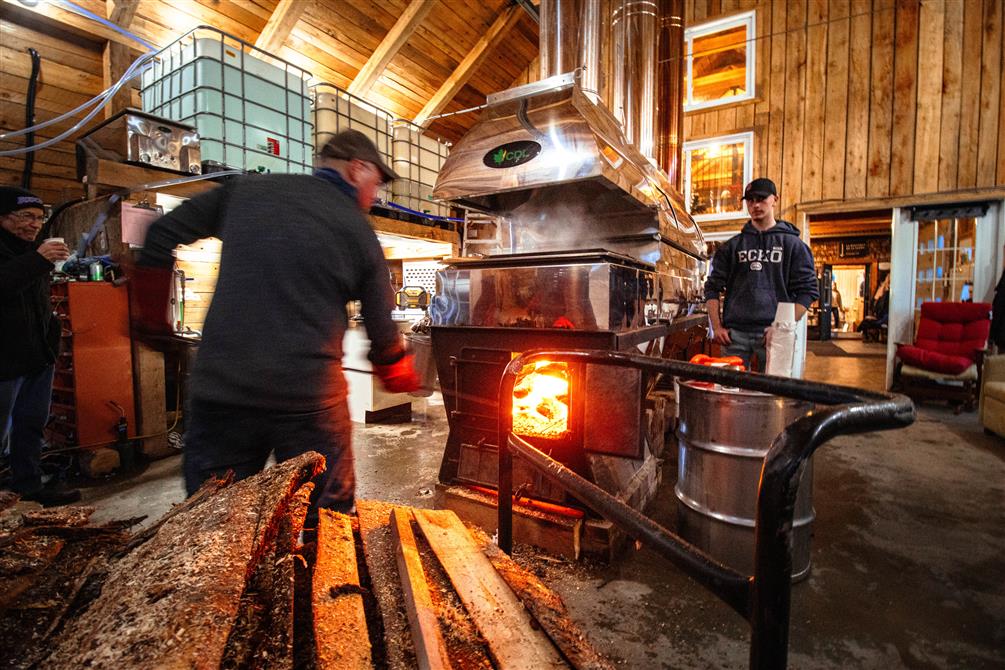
{"points": [[50, 594], [465, 646], [430, 650], [8, 499], [340, 630], [375, 531], [500, 617], [68, 515], [171, 602], [262, 636], [547, 607]]}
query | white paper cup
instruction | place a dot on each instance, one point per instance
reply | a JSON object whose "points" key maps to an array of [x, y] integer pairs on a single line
{"points": [[58, 264]]}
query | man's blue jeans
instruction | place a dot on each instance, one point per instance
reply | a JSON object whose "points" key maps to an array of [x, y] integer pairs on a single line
{"points": [[747, 344], [24, 411], [223, 437]]}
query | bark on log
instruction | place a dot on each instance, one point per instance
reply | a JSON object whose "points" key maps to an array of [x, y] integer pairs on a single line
{"points": [[172, 602]]}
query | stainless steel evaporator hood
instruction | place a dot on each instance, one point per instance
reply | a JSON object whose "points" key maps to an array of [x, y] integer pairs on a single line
{"points": [[557, 169]]}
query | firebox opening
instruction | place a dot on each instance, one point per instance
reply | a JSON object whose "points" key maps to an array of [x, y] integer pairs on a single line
{"points": [[541, 401]]}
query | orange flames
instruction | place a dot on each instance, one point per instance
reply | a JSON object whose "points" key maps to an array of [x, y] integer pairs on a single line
{"points": [[541, 400]]}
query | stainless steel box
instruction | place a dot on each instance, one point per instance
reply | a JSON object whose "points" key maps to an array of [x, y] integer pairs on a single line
{"points": [[132, 136]]}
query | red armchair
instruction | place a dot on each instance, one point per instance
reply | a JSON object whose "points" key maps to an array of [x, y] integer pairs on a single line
{"points": [[946, 358]]}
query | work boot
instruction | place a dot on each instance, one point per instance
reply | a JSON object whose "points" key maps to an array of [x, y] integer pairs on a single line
{"points": [[53, 495]]}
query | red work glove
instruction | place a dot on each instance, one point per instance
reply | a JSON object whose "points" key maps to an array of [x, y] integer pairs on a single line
{"points": [[149, 297], [399, 377]]}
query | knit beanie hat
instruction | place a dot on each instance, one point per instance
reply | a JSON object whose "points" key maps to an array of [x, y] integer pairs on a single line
{"points": [[13, 198]]}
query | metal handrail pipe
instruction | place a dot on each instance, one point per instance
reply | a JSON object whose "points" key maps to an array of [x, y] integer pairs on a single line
{"points": [[764, 599]]}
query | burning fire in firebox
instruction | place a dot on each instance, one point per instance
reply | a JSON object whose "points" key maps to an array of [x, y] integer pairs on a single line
{"points": [[541, 400]]}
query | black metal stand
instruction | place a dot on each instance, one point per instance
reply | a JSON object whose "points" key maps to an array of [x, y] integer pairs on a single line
{"points": [[763, 598]]}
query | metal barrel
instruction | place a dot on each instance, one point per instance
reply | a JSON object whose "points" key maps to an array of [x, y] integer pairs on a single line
{"points": [[724, 436]]}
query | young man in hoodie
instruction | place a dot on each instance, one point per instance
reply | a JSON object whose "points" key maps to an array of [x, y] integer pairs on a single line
{"points": [[765, 264]]}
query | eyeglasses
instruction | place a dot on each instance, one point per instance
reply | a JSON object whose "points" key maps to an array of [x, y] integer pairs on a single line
{"points": [[26, 217]]}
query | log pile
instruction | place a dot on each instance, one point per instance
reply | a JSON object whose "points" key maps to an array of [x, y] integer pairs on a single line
{"points": [[226, 580]]}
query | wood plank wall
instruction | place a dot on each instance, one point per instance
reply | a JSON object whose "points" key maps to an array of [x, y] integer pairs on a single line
{"points": [[866, 100]]}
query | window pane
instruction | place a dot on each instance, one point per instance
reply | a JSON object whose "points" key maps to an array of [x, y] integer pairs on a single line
{"points": [[719, 65], [717, 178]]}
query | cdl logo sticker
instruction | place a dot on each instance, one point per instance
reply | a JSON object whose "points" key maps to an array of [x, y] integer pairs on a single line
{"points": [[512, 154]]}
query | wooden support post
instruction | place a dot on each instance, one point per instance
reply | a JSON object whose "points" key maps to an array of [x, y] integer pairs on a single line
{"points": [[151, 404], [115, 61]]}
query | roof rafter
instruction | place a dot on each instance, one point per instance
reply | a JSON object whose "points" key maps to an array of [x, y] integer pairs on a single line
{"points": [[389, 46], [72, 22], [455, 82], [280, 25], [121, 12]]}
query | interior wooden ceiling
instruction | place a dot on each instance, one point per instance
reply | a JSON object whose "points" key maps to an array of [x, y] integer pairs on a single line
{"points": [[412, 58]]}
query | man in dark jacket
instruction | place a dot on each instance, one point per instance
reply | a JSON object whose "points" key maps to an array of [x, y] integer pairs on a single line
{"points": [[998, 314], [764, 265], [29, 341], [268, 373]]}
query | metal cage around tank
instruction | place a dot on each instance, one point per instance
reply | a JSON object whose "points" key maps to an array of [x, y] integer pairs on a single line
{"points": [[251, 108]]}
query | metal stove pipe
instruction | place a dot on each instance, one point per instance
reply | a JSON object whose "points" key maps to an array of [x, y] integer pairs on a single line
{"points": [[570, 32], [633, 70], [670, 91]]}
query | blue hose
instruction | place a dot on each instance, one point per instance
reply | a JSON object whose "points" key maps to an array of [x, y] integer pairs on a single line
{"points": [[434, 217]]}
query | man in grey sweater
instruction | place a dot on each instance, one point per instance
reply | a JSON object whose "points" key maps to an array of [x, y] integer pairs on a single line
{"points": [[268, 374]]}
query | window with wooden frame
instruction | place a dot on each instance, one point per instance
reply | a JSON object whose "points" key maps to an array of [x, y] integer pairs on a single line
{"points": [[720, 62], [715, 172]]}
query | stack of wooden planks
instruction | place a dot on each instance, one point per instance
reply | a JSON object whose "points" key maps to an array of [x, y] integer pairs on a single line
{"points": [[226, 579]]}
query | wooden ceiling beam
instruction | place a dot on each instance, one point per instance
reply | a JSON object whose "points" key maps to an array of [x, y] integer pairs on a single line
{"points": [[71, 22], [280, 25], [502, 25], [121, 12], [389, 46]]}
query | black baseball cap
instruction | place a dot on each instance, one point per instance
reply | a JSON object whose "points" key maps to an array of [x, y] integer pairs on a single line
{"points": [[760, 188], [350, 144], [13, 199]]}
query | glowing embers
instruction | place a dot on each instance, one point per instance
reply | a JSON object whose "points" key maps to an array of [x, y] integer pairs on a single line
{"points": [[541, 400]]}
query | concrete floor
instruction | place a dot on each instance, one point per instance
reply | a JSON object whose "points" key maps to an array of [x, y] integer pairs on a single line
{"points": [[908, 547]]}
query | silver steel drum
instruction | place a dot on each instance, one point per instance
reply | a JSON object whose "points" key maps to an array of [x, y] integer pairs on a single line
{"points": [[723, 438]]}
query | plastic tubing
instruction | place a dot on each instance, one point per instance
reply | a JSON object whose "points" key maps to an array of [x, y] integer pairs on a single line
{"points": [[94, 17], [101, 100], [102, 97]]}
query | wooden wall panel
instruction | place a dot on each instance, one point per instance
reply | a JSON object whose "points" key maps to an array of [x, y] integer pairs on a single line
{"points": [[837, 111], [991, 90], [816, 99], [929, 119], [859, 100], [790, 184], [866, 100], [905, 92], [970, 93], [952, 68]]}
